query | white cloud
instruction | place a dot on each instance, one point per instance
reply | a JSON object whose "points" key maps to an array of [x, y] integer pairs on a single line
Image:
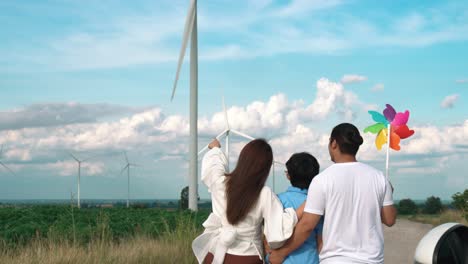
{"points": [[353, 78], [159, 140], [378, 87], [449, 101], [17, 154], [462, 81], [431, 139], [298, 7], [56, 114], [411, 23], [69, 168]]}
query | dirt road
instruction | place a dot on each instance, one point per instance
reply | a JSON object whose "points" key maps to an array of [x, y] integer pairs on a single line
{"points": [[402, 239]]}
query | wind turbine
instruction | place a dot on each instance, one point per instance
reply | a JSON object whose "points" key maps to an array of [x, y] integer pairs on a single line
{"points": [[190, 29], [226, 133], [79, 175], [3, 164], [127, 167]]}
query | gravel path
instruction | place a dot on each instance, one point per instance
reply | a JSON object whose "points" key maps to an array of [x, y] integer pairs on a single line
{"points": [[402, 239]]}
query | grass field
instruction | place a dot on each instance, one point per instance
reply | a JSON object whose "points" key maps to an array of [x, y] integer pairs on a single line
{"points": [[58, 234], [446, 216]]}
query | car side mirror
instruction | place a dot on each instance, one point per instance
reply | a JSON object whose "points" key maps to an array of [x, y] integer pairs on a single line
{"points": [[444, 244]]}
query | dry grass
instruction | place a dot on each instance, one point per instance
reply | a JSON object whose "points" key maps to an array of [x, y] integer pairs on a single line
{"points": [[137, 250], [446, 216], [172, 247]]}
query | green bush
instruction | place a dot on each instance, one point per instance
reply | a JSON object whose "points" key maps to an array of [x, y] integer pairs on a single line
{"points": [[433, 205], [460, 202], [407, 207]]}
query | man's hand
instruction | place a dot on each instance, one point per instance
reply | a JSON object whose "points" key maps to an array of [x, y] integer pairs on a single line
{"points": [[214, 143], [276, 257]]}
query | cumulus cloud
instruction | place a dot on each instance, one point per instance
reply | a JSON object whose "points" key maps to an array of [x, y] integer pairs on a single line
{"points": [[56, 114], [449, 101], [462, 81], [159, 140], [353, 78], [69, 168], [378, 87]]}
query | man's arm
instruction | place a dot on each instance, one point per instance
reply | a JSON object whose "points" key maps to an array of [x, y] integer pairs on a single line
{"points": [[319, 239], [303, 229], [388, 214]]}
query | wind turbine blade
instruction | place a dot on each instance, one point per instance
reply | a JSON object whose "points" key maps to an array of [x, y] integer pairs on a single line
{"points": [[6, 167], [187, 32], [226, 116], [75, 158], [242, 134], [124, 168], [126, 158], [217, 137]]}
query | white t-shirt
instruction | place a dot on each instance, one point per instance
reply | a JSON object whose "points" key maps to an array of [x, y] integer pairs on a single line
{"points": [[351, 196]]}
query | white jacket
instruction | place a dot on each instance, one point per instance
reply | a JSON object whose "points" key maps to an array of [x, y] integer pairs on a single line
{"points": [[245, 238]]}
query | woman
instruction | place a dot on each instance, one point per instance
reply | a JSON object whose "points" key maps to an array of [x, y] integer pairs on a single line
{"points": [[242, 206]]}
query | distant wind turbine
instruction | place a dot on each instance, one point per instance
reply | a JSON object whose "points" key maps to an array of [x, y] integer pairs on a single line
{"points": [[79, 177], [3, 164], [79, 169], [190, 30], [273, 172], [127, 167], [79, 174]]}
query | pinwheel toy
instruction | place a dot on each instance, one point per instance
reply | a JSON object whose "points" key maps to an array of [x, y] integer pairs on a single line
{"points": [[390, 128]]}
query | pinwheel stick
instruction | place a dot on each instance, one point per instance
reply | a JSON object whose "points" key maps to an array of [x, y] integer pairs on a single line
{"points": [[388, 150]]}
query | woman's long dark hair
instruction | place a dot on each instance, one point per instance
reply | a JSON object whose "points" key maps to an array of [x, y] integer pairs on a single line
{"points": [[246, 181]]}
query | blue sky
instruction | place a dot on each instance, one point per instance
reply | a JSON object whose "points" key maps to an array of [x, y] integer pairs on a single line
{"points": [[95, 78]]}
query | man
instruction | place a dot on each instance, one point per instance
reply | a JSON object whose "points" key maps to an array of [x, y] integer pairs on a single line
{"points": [[356, 199]]}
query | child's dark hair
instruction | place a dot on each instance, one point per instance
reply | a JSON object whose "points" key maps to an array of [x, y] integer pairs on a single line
{"points": [[302, 168], [347, 137]]}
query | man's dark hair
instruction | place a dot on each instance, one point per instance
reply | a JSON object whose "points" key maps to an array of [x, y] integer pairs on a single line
{"points": [[347, 137], [302, 168]]}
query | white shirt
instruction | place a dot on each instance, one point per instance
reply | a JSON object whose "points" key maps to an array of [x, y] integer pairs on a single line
{"points": [[351, 196], [245, 238]]}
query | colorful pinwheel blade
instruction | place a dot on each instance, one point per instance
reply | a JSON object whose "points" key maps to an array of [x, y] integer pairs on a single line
{"points": [[394, 141], [378, 117], [381, 139], [403, 131], [400, 119], [375, 128], [389, 112]]}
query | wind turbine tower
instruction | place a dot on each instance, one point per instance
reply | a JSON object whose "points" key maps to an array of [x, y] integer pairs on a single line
{"points": [[190, 30], [127, 167], [79, 178]]}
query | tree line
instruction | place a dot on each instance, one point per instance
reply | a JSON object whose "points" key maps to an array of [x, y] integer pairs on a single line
{"points": [[433, 205]]}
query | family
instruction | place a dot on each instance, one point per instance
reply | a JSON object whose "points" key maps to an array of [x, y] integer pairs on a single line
{"points": [[335, 216]]}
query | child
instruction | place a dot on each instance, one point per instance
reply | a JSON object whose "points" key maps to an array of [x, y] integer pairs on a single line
{"points": [[301, 169]]}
